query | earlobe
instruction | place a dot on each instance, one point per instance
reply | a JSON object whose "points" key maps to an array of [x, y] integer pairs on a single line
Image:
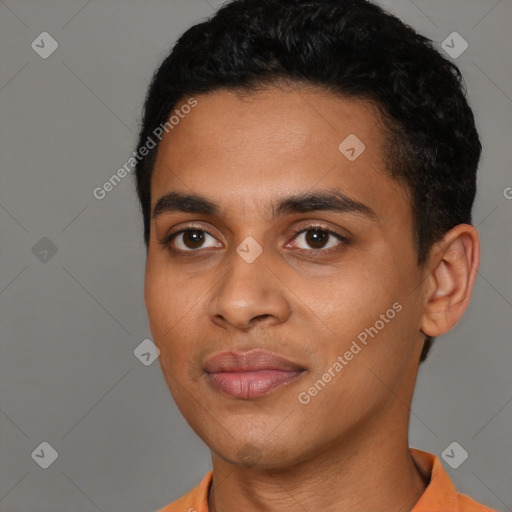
{"points": [[455, 261]]}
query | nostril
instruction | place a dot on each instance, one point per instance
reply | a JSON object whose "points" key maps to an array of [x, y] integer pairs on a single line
{"points": [[261, 316]]}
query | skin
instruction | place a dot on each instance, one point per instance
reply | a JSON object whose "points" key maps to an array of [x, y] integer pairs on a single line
{"points": [[347, 449]]}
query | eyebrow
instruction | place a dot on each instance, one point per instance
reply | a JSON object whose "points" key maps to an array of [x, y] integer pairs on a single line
{"points": [[328, 200]]}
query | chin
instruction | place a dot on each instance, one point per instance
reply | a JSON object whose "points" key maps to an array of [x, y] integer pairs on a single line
{"points": [[253, 455]]}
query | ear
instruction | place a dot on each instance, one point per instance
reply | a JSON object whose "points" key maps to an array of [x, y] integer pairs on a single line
{"points": [[454, 262]]}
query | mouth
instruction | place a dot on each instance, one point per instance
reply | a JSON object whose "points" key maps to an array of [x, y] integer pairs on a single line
{"points": [[250, 374]]}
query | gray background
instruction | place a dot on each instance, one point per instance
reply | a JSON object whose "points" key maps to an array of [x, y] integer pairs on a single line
{"points": [[69, 326]]}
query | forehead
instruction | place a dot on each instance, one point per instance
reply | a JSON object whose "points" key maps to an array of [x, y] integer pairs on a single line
{"points": [[244, 149]]}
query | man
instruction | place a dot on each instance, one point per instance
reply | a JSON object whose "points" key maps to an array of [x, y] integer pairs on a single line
{"points": [[307, 217]]}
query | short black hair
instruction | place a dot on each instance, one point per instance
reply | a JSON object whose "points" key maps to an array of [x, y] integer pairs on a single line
{"points": [[353, 49]]}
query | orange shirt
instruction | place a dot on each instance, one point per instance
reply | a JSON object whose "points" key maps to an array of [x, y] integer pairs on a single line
{"points": [[439, 496]]}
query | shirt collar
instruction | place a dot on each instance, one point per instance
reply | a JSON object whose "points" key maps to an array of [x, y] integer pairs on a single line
{"points": [[439, 495]]}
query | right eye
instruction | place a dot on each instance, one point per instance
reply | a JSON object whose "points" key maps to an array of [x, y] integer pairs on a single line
{"points": [[189, 240]]}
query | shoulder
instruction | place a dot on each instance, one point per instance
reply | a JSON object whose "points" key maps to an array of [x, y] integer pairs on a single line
{"points": [[195, 500], [440, 494]]}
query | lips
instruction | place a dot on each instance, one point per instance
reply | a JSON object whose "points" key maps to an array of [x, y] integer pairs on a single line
{"points": [[250, 374]]}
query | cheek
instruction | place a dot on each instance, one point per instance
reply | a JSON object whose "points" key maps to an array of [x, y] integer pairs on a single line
{"points": [[166, 307], [158, 303], [349, 300], [175, 308], [169, 333], [362, 312], [167, 298]]}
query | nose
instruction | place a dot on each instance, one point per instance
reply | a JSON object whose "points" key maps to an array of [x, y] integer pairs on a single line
{"points": [[248, 294]]}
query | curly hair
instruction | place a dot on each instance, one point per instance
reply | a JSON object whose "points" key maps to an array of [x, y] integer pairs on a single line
{"points": [[351, 48]]}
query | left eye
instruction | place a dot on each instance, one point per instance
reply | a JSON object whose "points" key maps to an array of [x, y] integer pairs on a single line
{"points": [[191, 239], [318, 238]]}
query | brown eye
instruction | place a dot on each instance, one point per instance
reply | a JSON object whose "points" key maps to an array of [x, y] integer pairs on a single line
{"points": [[193, 239], [317, 238]]}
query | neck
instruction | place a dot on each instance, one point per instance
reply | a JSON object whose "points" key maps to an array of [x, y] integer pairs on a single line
{"points": [[371, 471]]}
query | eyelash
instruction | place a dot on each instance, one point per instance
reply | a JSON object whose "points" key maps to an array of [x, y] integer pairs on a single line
{"points": [[166, 242]]}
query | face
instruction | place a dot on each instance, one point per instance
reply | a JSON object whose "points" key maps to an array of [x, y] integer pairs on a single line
{"points": [[297, 243]]}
